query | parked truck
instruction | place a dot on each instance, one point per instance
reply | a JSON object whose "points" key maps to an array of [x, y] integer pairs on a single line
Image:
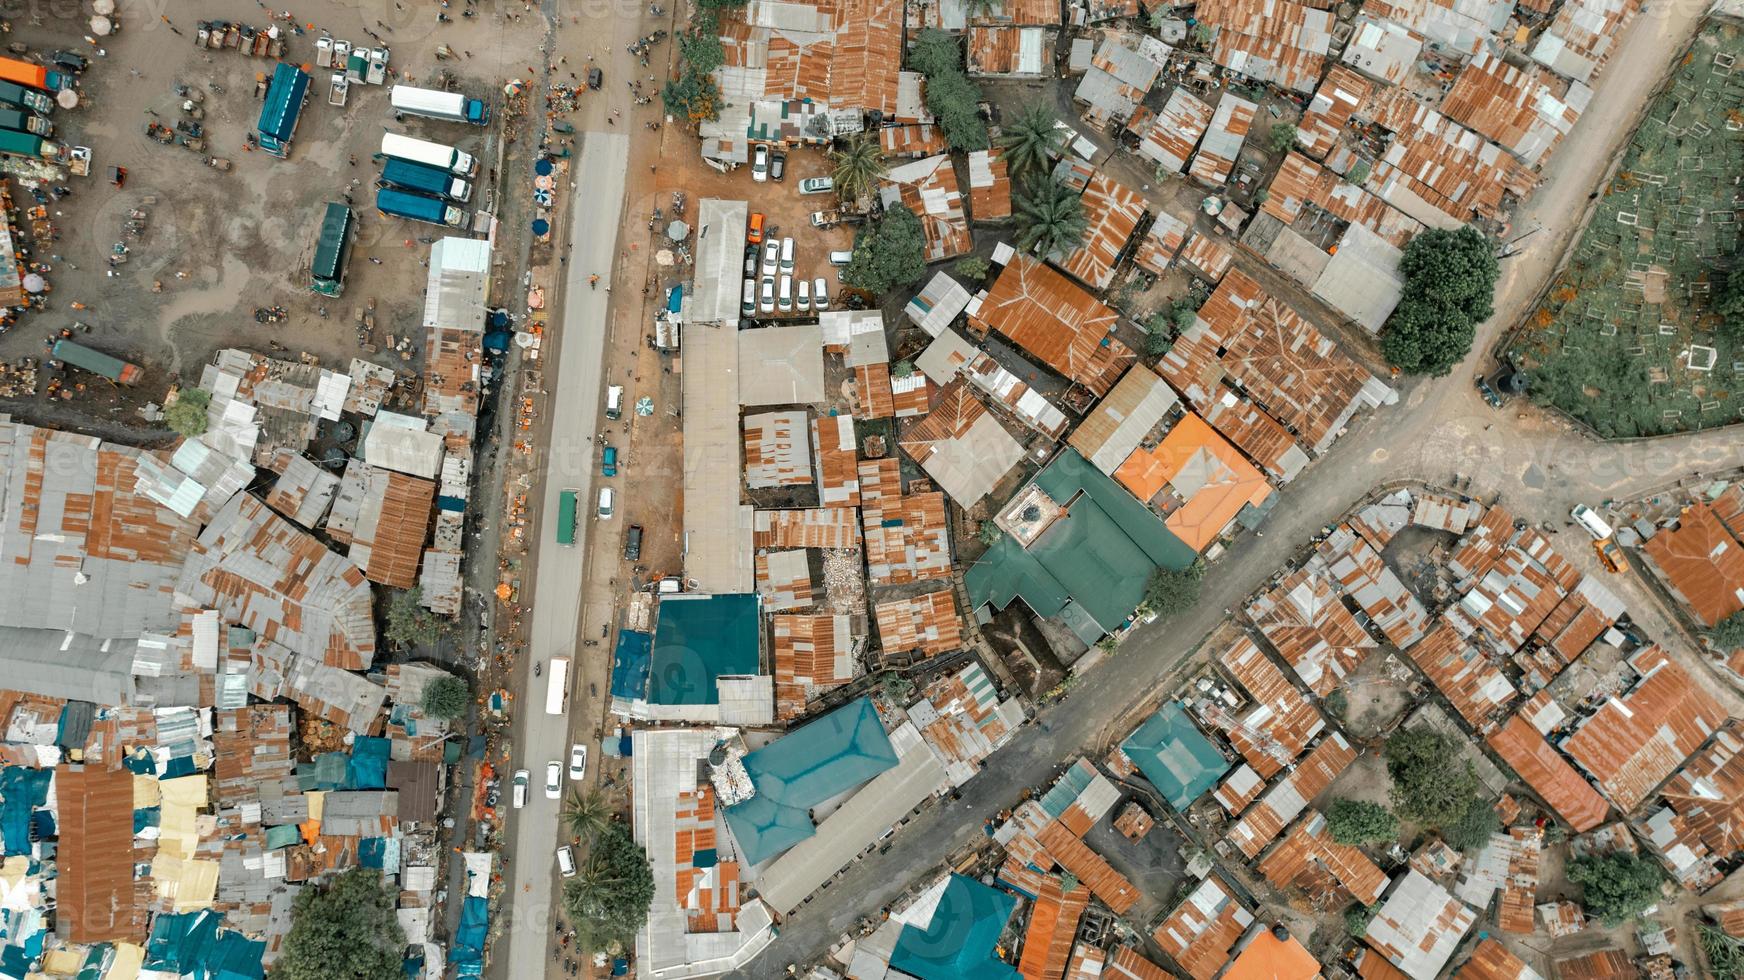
{"points": [[13, 93], [20, 121], [432, 154], [282, 109], [417, 207], [13, 143], [426, 179], [96, 362], [35, 76], [435, 104]]}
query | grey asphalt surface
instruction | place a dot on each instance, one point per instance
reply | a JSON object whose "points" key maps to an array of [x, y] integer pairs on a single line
{"points": [[572, 401]]}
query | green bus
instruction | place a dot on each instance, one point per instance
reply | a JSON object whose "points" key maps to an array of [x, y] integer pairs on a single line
{"points": [[566, 516]]}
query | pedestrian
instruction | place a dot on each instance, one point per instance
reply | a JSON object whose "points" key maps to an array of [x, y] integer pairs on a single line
{"points": [[354, 159], [173, 30]]}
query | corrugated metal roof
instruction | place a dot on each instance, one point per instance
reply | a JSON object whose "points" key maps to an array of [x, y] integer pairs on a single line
{"points": [[928, 187], [1278, 710], [1492, 961], [1419, 926], [961, 445], [1474, 686], [717, 528], [1290, 795], [1047, 315], [907, 538], [1303, 619], [1708, 795], [1580, 40], [1223, 139], [1119, 422], [1553, 779], [1113, 210], [928, 623], [1202, 930], [777, 450], [94, 886], [1529, 112], [1635, 740], [1053, 922], [1701, 562], [1168, 138], [778, 365], [812, 655], [816, 527]]}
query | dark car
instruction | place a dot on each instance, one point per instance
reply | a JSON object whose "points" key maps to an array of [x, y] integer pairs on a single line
{"points": [[778, 165], [593, 78], [1494, 400], [70, 60], [633, 543], [751, 252]]}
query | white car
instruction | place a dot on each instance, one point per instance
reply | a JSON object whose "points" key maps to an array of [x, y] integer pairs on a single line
{"points": [[784, 295], [804, 296], [521, 781], [817, 185], [566, 861], [760, 163], [607, 497], [553, 779], [820, 294], [787, 255], [767, 303], [577, 761], [771, 256], [748, 303]]}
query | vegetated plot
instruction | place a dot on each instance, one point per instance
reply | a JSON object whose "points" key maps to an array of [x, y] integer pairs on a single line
{"points": [[1625, 339]]}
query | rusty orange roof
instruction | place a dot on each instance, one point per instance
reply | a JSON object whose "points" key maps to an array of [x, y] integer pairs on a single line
{"points": [[1492, 961], [907, 539], [1553, 779], [1331, 109], [989, 185], [1635, 740], [1708, 795], [1278, 710], [873, 398], [1162, 241], [1241, 787], [397, 544], [927, 623], [836, 528], [1108, 885], [1199, 934], [1113, 210], [1459, 670], [1604, 964], [1209, 256], [783, 579], [251, 749], [1056, 321], [1255, 433], [1213, 480], [1527, 111], [1126, 964], [838, 460], [1290, 795], [1269, 958], [1053, 922], [928, 187], [812, 655], [1701, 562], [1168, 138], [1088, 963], [1306, 622], [912, 140], [94, 889], [1309, 860], [1301, 182]]}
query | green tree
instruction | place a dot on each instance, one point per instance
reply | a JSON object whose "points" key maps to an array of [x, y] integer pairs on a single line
{"points": [[1728, 634], [1360, 822], [1170, 593], [902, 368], [1357, 919], [1281, 137], [1432, 784], [1449, 288], [888, 254], [1615, 887], [587, 813], [1725, 954], [188, 415], [988, 533], [859, 165], [446, 698], [952, 98], [692, 97], [700, 47], [609, 896], [1050, 219], [1358, 173], [344, 930], [1032, 140], [972, 267], [1475, 826], [898, 688], [409, 623]]}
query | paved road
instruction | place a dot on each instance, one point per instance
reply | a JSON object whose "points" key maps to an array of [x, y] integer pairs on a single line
{"points": [[1537, 462], [572, 385]]}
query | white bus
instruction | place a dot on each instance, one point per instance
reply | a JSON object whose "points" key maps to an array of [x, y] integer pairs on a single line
{"points": [[423, 151], [557, 686]]}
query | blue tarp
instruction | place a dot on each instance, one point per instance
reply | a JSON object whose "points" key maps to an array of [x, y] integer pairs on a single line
{"points": [[368, 768], [43, 821], [284, 103], [467, 953], [145, 816], [630, 665], [191, 945], [178, 766], [22, 790], [139, 763], [371, 851]]}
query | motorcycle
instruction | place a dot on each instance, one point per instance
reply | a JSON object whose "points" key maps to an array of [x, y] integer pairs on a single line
{"points": [[535, 669]]}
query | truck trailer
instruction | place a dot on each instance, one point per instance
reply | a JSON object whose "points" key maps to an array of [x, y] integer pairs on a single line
{"points": [[35, 76], [13, 93], [20, 121], [425, 179], [417, 207], [96, 362], [431, 154], [434, 104], [18, 144], [283, 107]]}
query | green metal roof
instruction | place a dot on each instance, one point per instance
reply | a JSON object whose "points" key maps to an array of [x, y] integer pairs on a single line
{"points": [[1172, 753], [1091, 566], [807, 766], [959, 942], [701, 638]]}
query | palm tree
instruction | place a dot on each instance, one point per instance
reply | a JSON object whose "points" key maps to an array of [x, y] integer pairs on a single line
{"points": [[1032, 140], [586, 812], [859, 165], [1050, 219]]}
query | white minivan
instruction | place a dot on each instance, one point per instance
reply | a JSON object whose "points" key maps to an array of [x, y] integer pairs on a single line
{"points": [[615, 402], [748, 301], [804, 295], [566, 861], [1592, 523], [842, 256], [607, 497]]}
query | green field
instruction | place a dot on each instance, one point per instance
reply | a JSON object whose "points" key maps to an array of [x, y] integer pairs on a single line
{"points": [[1623, 340]]}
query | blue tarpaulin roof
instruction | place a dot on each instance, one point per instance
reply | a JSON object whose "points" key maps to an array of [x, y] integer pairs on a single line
{"points": [[467, 953], [699, 639], [21, 791], [192, 946], [959, 942], [630, 665], [820, 760], [1179, 761], [284, 100]]}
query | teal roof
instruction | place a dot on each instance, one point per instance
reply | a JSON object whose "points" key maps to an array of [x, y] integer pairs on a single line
{"points": [[1179, 761], [1091, 565], [807, 766], [1067, 789], [284, 101], [332, 245], [700, 639], [959, 942]]}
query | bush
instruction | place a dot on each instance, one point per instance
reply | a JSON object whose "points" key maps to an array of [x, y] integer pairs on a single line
{"points": [[446, 698], [1360, 822], [1357, 919], [1728, 634], [972, 267], [188, 415], [1282, 137], [1615, 887], [409, 623]]}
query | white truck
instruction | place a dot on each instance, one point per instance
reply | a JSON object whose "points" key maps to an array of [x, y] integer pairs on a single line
{"points": [[423, 151], [434, 104]]}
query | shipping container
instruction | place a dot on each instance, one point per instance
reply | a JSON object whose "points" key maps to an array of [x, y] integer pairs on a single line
{"points": [[20, 121], [566, 502], [96, 362], [35, 76]]}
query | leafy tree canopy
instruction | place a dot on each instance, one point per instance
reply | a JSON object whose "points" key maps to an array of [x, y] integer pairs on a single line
{"points": [[888, 254], [1728, 634], [346, 930], [1426, 337], [1282, 137], [1615, 887], [1050, 218], [1474, 827], [972, 267], [1360, 822], [609, 896], [1170, 593], [188, 415], [1357, 919], [409, 623], [1432, 784], [446, 698], [1450, 284], [951, 97]]}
